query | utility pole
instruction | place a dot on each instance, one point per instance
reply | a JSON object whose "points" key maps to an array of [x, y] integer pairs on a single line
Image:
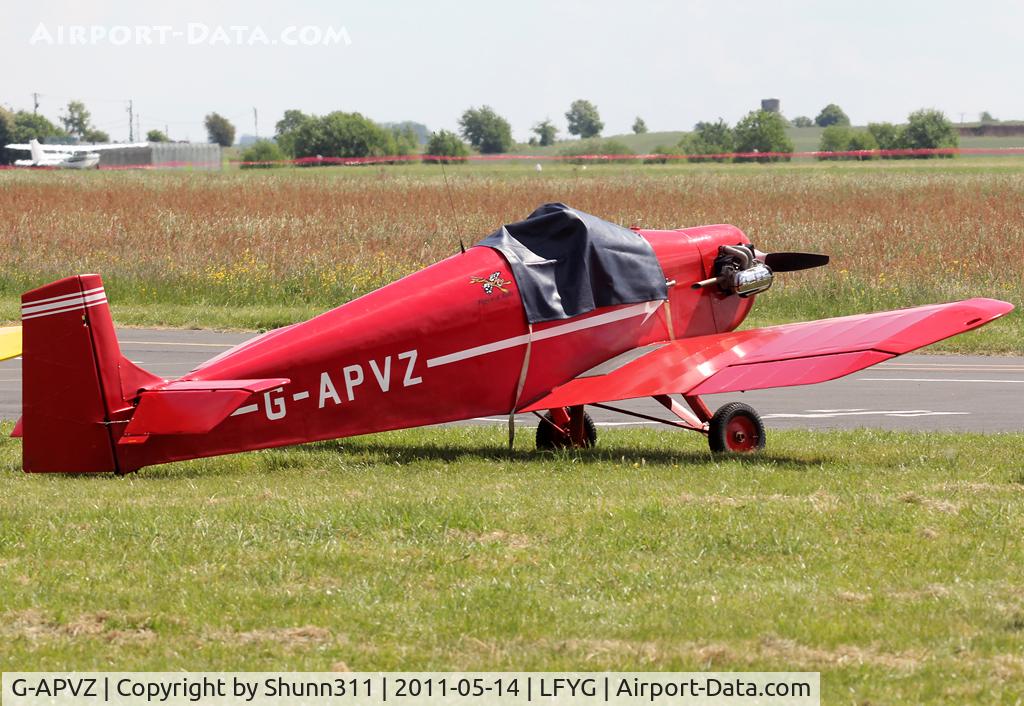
{"points": [[35, 103], [131, 121], [255, 122]]}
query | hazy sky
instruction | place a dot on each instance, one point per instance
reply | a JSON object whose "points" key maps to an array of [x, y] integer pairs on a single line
{"points": [[673, 63]]}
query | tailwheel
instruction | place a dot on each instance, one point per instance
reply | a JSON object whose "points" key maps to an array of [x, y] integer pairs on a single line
{"points": [[736, 428], [566, 429]]}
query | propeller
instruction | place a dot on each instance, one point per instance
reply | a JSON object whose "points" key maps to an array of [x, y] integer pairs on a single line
{"points": [[744, 270], [793, 261]]}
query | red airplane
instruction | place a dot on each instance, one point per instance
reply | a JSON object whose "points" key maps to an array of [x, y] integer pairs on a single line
{"points": [[547, 315]]}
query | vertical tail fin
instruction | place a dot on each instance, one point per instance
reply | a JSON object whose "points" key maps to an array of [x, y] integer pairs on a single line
{"points": [[77, 388], [36, 150]]}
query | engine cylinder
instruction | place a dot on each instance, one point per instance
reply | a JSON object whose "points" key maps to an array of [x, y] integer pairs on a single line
{"points": [[752, 280]]}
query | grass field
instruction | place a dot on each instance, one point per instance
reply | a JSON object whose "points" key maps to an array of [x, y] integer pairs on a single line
{"points": [[892, 563], [262, 249]]}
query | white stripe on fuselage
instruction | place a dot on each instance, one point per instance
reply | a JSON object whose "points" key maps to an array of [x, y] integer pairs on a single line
{"points": [[645, 308]]}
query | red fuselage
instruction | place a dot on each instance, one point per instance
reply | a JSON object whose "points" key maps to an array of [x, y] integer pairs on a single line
{"points": [[440, 346]]}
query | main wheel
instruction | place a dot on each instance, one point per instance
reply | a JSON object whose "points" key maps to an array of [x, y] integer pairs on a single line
{"points": [[550, 438], [736, 428]]}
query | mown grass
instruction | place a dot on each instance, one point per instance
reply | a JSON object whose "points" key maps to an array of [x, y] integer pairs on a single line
{"points": [[891, 562], [258, 250]]}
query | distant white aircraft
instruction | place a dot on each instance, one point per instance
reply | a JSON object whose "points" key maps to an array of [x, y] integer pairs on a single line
{"points": [[65, 156]]}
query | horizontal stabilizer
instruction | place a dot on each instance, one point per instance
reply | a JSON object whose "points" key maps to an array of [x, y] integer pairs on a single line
{"points": [[191, 406], [776, 356]]}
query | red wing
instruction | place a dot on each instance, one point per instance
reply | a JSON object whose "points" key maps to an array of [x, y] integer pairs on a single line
{"points": [[777, 356]]}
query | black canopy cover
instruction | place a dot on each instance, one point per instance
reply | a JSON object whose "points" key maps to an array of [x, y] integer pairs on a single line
{"points": [[567, 262]]}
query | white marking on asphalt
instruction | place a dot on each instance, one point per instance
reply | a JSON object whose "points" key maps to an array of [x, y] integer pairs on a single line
{"points": [[178, 343], [956, 368], [245, 409], [504, 420], [1016, 382], [646, 308], [810, 414], [921, 364], [833, 411]]}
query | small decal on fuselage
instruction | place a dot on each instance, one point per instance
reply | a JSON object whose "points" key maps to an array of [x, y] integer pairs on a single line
{"points": [[495, 281]]}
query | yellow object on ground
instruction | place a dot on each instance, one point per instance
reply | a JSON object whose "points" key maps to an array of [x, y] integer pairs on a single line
{"points": [[10, 342]]}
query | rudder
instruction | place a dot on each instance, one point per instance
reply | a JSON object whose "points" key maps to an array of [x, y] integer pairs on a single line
{"points": [[76, 386]]}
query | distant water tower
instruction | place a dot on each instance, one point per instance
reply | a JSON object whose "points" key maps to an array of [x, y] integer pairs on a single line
{"points": [[772, 105]]}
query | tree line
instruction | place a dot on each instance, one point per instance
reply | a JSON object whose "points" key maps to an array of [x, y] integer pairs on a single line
{"points": [[339, 134]]}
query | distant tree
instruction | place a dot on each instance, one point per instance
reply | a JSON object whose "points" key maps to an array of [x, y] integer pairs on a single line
{"points": [[220, 130], [446, 144], [639, 126], [584, 120], [95, 136], [263, 154], [929, 129], [286, 128], [715, 138], [546, 133], [887, 136], [486, 130], [157, 136], [762, 131], [663, 154], [831, 114], [862, 140], [581, 148], [802, 121], [986, 117], [29, 126], [834, 138], [6, 135], [403, 139], [76, 119], [421, 131], [840, 138], [341, 134]]}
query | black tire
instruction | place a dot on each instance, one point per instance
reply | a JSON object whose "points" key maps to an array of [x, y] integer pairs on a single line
{"points": [[736, 428], [550, 439]]}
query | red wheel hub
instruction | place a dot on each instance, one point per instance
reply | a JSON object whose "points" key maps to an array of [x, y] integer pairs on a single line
{"points": [[741, 434]]}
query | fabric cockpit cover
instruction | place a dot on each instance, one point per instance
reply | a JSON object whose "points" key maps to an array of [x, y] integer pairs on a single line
{"points": [[567, 262]]}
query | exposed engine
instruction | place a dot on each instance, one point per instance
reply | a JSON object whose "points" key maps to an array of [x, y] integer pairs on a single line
{"points": [[737, 271]]}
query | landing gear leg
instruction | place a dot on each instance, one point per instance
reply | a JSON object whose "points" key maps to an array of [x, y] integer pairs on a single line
{"points": [[566, 427]]}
